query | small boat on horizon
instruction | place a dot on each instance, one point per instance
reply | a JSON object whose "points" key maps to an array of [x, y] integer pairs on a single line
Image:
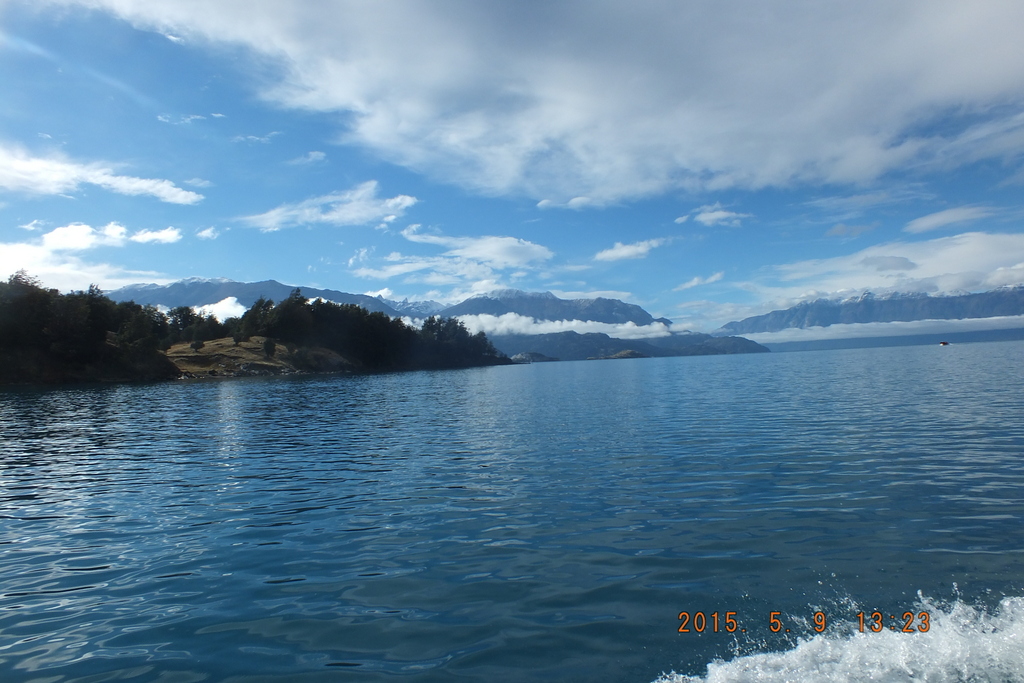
{"points": [[943, 343]]}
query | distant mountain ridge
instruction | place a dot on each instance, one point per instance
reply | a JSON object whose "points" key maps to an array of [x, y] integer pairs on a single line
{"points": [[869, 308], [541, 306], [547, 306], [200, 292], [538, 305]]}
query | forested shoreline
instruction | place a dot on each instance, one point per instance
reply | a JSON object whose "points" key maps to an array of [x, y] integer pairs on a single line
{"points": [[49, 337]]}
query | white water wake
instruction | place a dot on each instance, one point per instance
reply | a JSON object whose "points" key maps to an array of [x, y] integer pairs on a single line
{"points": [[964, 645]]}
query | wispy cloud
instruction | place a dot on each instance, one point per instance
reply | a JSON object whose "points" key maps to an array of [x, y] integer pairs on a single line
{"points": [[485, 100], [358, 206], [715, 214], [697, 281], [308, 158], [165, 236], [179, 120], [496, 252], [262, 139], [635, 250], [971, 261], [844, 230], [21, 172], [940, 219], [209, 233], [470, 265]]}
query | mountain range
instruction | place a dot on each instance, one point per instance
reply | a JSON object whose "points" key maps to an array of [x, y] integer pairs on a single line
{"points": [[200, 292], [870, 308], [541, 306]]}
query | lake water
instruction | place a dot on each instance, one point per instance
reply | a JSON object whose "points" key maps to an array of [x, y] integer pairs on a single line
{"points": [[527, 523]]}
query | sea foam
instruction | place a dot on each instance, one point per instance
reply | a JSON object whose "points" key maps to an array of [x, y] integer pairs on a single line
{"points": [[964, 644]]}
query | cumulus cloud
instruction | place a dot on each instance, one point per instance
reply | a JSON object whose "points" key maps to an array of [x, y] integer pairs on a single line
{"points": [[79, 236], [358, 206], [697, 281], [636, 100], [940, 219], [629, 251], [55, 258], [223, 309], [209, 233], [21, 172]]}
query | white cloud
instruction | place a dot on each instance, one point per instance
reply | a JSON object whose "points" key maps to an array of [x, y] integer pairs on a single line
{"points": [[881, 263], [469, 266], [262, 139], [933, 221], [209, 233], [592, 294], [697, 281], [223, 309], [637, 100], [55, 260], [32, 226], [682, 219], [308, 158], [198, 182], [890, 329], [357, 206], [496, 252], [629, 251], [972, 261], [385, 293], [182, 120], [79, 236], [20, 172], [165, 236], [716, 215], [513, 323]]}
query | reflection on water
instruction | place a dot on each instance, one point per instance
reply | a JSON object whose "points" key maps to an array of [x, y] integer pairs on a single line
{"points": [[541, 522]]}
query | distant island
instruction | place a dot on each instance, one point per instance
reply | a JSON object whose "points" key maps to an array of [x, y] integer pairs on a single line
{"points": [[49, 337]]}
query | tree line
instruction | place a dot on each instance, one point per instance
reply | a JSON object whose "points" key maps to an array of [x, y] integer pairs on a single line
{"points": [[54, 337]]}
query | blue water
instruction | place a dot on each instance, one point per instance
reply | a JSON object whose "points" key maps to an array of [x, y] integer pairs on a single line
{"points": [[525, 523]]}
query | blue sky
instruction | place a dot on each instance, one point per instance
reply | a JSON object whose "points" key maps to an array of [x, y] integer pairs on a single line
{"points": [[705, 160]]}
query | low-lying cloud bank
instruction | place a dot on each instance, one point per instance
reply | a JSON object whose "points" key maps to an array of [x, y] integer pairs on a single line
{"points": [[891, 329], [223, 309], [513, 323]]}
